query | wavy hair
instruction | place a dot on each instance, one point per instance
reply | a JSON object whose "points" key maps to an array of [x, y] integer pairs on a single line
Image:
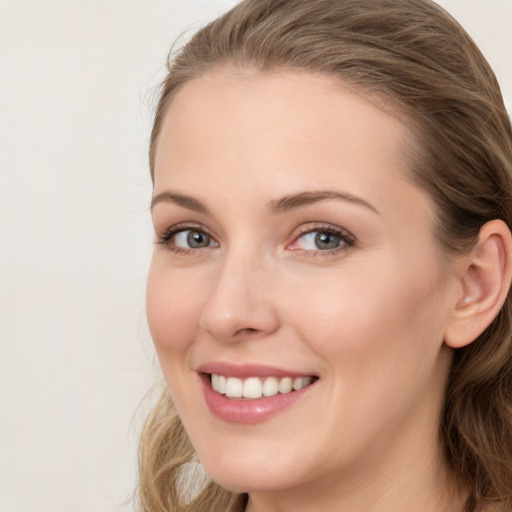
{"points": [[417, 58]]}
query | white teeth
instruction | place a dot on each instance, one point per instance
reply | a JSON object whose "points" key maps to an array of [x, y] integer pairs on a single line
{"points": [[285, 385], [234, 387], [270, 386], [222, 384], [301, 382], [254, 387]]}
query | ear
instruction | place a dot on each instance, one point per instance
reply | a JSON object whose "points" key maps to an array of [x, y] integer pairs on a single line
{"points": [[484, 278]]}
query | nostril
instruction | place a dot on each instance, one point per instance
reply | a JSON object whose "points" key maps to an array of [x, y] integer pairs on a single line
{"points": [[247, 331]]}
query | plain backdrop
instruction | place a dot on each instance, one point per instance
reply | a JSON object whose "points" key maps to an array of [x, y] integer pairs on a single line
{"points": [[77, 82]]}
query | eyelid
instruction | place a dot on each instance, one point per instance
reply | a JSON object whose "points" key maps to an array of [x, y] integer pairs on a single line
{"points": [[166, 236], [347, 238]]}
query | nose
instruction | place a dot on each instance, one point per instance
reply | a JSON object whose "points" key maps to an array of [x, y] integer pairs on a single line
{"points": [[240, 304]]}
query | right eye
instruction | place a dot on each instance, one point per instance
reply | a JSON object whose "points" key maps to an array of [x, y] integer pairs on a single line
{"points": [[182, 239], [192, 239]]}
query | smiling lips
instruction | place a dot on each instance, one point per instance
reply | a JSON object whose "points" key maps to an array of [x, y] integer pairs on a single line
{"points": [[251, 394]]}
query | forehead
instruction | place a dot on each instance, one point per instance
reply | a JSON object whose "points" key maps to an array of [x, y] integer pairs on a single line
{"points": [[290, 92], [281, 133], [279, 98]]}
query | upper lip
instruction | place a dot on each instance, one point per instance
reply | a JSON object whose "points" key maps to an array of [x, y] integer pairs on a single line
{"points": [[244, 371]]}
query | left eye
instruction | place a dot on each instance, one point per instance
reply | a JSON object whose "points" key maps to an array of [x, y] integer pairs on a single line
{"points": [[319, 241], [322, 240], [191, 239]]}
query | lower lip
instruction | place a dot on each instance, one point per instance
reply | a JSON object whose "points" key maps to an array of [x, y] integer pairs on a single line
{"points": [[248, 411]]}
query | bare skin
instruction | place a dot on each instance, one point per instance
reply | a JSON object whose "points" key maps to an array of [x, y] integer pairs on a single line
{"points": [[292, 237]]}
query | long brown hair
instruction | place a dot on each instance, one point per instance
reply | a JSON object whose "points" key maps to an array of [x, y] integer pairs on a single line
{"points": [[413, 55]]}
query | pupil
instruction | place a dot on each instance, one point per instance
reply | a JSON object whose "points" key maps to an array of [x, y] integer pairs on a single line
{"points": [[327, 241], [196, 239]]}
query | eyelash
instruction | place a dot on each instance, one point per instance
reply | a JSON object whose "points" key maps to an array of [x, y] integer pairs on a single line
{"points": [[347, 240], [166, 238]]}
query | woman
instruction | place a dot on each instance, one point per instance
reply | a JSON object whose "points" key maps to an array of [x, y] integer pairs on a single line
{"points": [[328, 295]]}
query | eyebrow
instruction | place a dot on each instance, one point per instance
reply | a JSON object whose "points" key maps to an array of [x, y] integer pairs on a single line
{"points": [[294, 201], [181, 200], [275, 207]]}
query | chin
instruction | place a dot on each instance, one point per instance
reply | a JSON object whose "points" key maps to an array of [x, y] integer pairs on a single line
{"points": [[255, 468], [238, 480]]}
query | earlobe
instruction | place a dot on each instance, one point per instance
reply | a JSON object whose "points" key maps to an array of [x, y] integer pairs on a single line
{"points": [[484, 284]]}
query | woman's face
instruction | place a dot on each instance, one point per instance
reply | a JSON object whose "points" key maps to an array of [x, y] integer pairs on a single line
{"points": [[293, 251]]}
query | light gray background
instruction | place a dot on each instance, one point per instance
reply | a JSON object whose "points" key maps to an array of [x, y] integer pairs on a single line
{"points": [[76, 84]]}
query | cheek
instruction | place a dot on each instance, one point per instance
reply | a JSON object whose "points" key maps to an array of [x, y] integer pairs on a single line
{"points": [[381, 344], [365, 316], [173, 310]]}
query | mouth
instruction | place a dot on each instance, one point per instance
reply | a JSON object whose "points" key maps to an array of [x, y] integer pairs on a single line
{"points": [[254, 388], [252, 394]]}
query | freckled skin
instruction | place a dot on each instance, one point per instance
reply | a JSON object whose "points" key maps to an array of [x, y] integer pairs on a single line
{"points": [[367, 319]]}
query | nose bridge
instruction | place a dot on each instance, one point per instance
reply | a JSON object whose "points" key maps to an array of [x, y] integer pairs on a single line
{"points": [[240, 301]]}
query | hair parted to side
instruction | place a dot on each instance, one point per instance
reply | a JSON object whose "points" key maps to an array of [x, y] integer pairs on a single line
{"points": [[413, 55]]}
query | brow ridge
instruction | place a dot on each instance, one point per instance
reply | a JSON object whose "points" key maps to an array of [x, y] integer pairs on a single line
{"points": [[179, 199], [275, 206], [301, 199]]}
